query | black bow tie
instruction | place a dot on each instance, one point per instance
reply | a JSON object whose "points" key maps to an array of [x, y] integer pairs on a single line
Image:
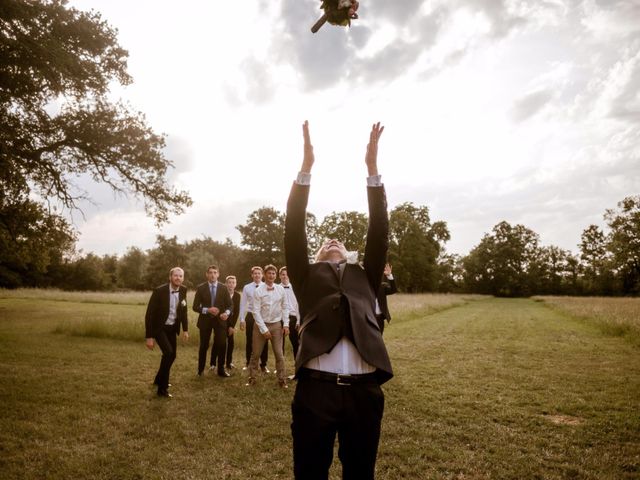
{"points": [[175, 291], [286, 286]]}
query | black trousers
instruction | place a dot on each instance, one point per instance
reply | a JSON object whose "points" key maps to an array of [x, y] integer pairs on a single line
{"points": [[229, 355], [293, 335], [264, 356], [320, 410], [166, 340], [219, 344]]}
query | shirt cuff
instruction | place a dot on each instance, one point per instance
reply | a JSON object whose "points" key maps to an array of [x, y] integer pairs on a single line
{"points": [[374, 181], [390, 277], [205, 310], [303, 178]]}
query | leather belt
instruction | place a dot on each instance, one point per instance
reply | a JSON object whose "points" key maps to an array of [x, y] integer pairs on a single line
{"points": [[337, 378]]}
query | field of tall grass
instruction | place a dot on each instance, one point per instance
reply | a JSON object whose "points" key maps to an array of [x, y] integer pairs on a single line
{"points": [[613, 315]]}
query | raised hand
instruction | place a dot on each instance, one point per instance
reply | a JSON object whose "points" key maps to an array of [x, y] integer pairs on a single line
{"points": [[308, 158], [371, 158]]}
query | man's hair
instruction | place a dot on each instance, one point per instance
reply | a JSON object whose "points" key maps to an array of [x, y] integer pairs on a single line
{"points": [[253, 269], [283, 269], [174, 269], [230, 277], [270, 267], [213, 267]]}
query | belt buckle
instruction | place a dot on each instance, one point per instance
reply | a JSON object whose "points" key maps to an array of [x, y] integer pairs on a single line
{"points": [[339, 382]]}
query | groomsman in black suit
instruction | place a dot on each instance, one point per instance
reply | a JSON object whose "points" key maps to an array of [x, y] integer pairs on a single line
{"points": [[213, 304], [166, 312], [342, 359], [387, 287], [231, 284]]}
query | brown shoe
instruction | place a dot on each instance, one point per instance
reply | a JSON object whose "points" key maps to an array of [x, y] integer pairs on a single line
{"points": [[283, 384], [250, 383]]}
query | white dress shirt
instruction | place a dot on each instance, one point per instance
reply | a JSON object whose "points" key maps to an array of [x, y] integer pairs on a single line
{"points": [[245, 305], [292, 301], [174, 298], [270, 306]]}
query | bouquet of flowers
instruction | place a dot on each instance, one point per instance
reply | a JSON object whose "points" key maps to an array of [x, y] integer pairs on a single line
{"points": [[337, 12]]}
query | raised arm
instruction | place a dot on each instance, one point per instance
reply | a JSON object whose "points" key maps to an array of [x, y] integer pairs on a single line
{"points": [[295, 235], [375, 252]]}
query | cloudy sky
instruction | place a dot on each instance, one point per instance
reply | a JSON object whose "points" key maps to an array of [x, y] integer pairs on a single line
{"points": [[524, 111]]}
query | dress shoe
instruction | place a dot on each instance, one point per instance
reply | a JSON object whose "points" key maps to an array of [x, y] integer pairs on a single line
{"points": [[224, 374], [200, 374], [212, 367], [230, 366], [246, 367], [265, 369], [283, 384], [164, 393], [250, 383], [291, 377]]}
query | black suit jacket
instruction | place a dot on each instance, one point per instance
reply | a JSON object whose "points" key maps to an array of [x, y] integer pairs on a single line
{"points": [[235, 312], [320, 290], [387, 287], [158, 311], [202, 300]]}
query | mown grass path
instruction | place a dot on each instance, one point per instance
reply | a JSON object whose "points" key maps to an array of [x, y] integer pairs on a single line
{"points": [[488, 390]]}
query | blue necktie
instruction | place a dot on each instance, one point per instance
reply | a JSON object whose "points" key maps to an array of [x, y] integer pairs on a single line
{"points": [[213, 293]]}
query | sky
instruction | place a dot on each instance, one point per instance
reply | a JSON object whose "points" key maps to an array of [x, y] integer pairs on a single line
{"points": [[523, 111]]}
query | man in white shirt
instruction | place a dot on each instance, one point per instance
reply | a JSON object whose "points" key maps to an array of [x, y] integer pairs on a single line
{"points": [[294, 313], [247, 321], [342, 359], [271, 314]]}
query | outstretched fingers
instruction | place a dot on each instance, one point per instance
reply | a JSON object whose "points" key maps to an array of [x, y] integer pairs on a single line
{"points": [[308, 158]]}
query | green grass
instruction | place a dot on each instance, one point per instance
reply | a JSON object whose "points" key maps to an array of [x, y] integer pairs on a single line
{"points": [[619, 316], [484, 389]]}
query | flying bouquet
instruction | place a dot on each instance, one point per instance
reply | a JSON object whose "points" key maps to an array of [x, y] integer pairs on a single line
{"points": [[337, 12]]}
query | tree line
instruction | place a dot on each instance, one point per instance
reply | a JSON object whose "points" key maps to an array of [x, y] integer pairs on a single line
{"points": [[508, 261]]}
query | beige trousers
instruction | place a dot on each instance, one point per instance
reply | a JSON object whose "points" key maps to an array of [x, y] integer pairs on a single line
{"points": [[277, 336]]}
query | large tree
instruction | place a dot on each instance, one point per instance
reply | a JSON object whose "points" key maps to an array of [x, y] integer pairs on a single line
{"points": [[595, 262], [624, 243], [57, 126], [503, 262], [415, 244], [263, 235]]}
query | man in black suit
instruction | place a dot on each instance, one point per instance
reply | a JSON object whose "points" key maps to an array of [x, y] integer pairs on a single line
{"points": [[213, 304], [387, 287], [342, 359], [231, 284], [166, 311]]}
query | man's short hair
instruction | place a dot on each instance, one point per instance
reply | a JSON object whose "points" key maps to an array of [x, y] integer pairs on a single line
{"points": [[174, 269], [230, 277], [270, 267], [213, 267], [253, 269], [283, 269]]}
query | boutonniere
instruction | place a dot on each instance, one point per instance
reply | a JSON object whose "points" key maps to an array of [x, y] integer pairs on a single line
{"points": [[183, 303], [337, 12]]}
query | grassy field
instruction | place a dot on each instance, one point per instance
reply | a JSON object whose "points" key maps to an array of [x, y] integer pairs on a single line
{"points": [[613, 315], [484, 389]]}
